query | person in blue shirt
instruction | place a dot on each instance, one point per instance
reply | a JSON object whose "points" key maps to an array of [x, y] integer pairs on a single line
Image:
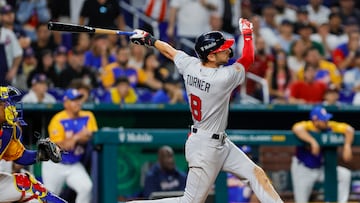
{"points": [[164, 176]]}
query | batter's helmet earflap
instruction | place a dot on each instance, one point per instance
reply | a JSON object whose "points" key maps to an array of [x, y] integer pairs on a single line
{"points": [[211, 42], [10, 96]]}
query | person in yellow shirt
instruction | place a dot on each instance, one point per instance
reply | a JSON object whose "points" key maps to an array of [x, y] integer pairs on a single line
{"points": [[327, 71], [72, 129], [307, 164], [120, 68], [121, 93]]}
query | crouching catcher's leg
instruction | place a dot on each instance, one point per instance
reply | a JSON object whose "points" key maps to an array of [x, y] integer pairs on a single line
{"points": [[31, 189]]}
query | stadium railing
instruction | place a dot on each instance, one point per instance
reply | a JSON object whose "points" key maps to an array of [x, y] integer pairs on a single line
{"points": [[109, 139]]}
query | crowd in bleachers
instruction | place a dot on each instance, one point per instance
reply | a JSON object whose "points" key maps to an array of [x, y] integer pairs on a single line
{"points": [[307, 51]]}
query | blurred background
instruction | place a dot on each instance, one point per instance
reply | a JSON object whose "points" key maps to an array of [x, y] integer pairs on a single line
{"points": [[134, 87]]}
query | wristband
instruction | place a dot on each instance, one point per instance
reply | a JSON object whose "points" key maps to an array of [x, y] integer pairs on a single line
{"points": [[152, 40]]}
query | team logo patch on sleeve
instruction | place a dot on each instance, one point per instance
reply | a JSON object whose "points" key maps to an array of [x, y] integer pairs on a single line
{"points": [[238, 67]]}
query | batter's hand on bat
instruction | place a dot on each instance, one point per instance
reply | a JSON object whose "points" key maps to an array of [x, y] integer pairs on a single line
{"points": [[142, 37], [245, 26]]}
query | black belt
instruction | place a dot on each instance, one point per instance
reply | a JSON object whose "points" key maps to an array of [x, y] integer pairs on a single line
{"points": [[214, 136]]}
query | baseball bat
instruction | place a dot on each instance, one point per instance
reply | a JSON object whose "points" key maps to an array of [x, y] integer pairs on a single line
{"points": [[67, 27]]}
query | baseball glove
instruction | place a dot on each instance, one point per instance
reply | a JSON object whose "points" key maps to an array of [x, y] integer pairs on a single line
{"points": [[48, 150]]}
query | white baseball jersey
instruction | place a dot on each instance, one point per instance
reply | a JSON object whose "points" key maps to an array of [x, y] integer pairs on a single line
{"points": [[209, 90], [207, 149]]}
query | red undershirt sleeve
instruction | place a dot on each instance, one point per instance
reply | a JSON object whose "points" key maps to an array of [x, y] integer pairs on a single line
{"points": [[247, 57]]}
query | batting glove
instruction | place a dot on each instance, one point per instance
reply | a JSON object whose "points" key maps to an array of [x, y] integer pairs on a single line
{"points": [[245, 27], [142, 37]]}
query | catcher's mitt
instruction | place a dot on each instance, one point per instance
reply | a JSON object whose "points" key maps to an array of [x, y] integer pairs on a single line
{"points": [[48, 150]]}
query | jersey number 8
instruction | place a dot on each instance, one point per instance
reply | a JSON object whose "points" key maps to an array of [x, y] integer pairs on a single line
{"points": [[195, 103]]}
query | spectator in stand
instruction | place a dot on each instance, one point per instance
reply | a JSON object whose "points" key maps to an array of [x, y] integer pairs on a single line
{"points": [[229, 12], [82, 41], [38, 92], [344, 55], [278, 78], [191, 18], [10, 55], [103, 13], [332, 96], [83, 89], [269, 30], [328, 40], [246, 9], [28, 65], [318, 13], [158, 11], [114, 43], [327, 71], [351, 25], [44, 40], [296, 58], [164, 176], [305, 31], [8, 21], [77, 69], [30, 14], [61, 63], [256, 20], [171, 93], [335, 24], [60, 10], [263, 61], [119, 68], [137, 54], [216, 24], [258, 5], [351, 83], [302, 18], [284, 11], [47, 67], [348, 10], [309, 90], [99, 54], [152, 70], [286, 36], [121, 93]]}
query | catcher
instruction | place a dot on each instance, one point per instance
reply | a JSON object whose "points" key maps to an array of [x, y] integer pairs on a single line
{"points": [[21, 187]]}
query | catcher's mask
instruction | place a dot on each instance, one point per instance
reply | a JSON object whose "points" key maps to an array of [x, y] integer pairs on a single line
{"points": [[13, 108]]}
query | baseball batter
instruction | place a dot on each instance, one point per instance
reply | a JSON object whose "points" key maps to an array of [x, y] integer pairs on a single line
{"points": [[209, 85], [22, 187]]}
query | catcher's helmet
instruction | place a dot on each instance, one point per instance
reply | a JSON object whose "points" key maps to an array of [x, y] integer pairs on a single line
{"points": [[211, 42], [13, 108]]}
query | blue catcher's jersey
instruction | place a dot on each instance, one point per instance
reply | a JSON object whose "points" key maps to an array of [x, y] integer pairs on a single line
{"points": [[10, 145]]}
